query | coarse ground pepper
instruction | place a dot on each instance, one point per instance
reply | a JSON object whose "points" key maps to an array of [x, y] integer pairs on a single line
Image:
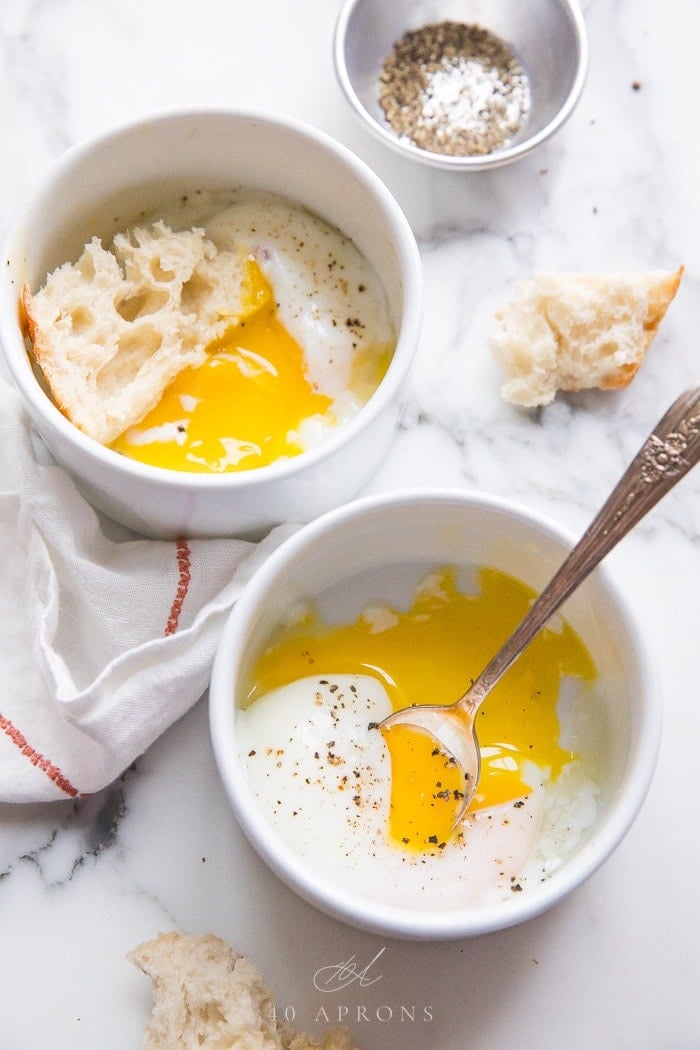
{"points": [[454, 89]]}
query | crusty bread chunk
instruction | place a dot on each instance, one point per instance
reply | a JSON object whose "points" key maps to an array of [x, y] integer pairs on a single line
{"points": [[113, 329], [574, 331], [207, 996]]}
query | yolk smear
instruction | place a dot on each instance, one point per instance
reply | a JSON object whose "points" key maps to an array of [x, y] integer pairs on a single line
{"points": [[241, 408], [368, 368], [429, 654]]}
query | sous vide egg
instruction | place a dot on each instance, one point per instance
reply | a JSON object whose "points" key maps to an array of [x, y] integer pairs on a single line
{"points": [[309, 345], [374, 809], [324, 779]]}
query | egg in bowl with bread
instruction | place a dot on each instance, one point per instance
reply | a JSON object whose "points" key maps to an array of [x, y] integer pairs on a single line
{"points": [[220, 347], [179, 168]]}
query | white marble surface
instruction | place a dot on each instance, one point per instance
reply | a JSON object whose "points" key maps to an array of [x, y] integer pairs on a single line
{"points": [[616, 966]]}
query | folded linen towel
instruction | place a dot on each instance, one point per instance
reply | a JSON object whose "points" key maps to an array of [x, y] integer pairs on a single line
{"points": [[106, 638]]}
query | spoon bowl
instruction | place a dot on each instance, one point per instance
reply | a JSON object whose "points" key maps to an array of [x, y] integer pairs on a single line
{"points": [[670, 451]]}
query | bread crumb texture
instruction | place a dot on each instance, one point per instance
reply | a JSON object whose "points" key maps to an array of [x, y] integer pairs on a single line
{"points": [[575, 331], [208, 996], [113, 329]]}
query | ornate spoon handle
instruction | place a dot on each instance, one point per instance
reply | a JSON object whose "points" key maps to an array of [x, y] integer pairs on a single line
{"points": [[672, 448]]}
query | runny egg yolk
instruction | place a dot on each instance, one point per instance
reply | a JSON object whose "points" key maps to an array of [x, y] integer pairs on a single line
{"points": [[429, 654], [240, 409]]}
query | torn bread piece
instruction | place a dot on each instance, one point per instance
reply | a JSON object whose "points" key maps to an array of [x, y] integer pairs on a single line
{"points": [[575, 331], [207, 996], [112, 330]]}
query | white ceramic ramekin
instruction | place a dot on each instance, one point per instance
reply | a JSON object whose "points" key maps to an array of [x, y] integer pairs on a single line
{"points": [[103, 185], [364, 553]]}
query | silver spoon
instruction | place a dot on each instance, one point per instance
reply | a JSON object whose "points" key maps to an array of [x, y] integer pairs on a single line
{"points": [[672, 448]]}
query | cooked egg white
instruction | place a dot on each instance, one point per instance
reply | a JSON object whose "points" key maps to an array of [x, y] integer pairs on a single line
{"points": [[374, 809], [324, 779], [308, 347], [327, 294]]}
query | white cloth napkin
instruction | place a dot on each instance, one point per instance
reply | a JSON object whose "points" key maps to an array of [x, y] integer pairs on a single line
{"points": [[106, 638]]}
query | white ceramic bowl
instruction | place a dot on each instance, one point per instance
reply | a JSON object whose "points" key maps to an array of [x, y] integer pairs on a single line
{"points": [[548, 37], [367, 551], [101, 186]]}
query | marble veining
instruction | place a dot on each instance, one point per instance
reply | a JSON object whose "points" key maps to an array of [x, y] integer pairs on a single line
{"points": [[83, 881]]}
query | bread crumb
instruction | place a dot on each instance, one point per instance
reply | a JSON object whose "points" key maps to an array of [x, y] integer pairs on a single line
{"points": [[569, 331], [208, 996]]}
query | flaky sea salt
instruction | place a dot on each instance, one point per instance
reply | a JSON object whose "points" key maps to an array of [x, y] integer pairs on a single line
{"points": [[465, 98]]}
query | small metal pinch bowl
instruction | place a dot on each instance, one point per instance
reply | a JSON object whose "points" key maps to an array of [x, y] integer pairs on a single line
{"points": [[442, 103]]}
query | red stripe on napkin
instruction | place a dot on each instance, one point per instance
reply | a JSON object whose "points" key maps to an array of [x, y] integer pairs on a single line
{"points": [[37, 759], [183, 555]]}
